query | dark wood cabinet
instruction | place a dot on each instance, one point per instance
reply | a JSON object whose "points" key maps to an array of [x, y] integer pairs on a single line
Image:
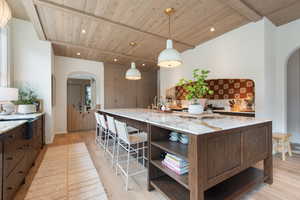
{"points": [[19, 150]]}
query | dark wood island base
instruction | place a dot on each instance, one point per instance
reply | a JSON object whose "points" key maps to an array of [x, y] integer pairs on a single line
{"points": [[221, 162]]}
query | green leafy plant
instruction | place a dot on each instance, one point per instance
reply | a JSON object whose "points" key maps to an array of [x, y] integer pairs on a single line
{"points": [[26, 97], [198, 87]]}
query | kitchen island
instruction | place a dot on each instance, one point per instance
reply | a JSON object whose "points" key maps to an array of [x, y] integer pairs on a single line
{"points": [[221, 152]]}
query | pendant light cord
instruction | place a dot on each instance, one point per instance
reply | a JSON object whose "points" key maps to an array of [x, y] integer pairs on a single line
{"points": [[170, 26]]}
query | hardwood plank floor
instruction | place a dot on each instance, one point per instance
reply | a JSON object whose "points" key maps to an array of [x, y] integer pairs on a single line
{"points": [[286, 184]]}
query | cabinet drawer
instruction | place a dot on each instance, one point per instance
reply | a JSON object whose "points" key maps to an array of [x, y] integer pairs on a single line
{"points": [[12, 183], [14, 150], [11, 160]]}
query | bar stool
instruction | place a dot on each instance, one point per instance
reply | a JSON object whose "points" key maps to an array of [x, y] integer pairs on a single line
{"points": [[130, 143], [112, 134], [98, 127], [104, 131], [282, 144]]}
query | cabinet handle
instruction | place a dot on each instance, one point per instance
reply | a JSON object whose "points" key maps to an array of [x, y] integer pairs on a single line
{"points": [[20, 148], [11, 136], [21, 172], [9, 188], [9, 158]]}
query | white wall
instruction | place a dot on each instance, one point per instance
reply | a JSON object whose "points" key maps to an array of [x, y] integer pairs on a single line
{"points": [[293, 93], [65, 67], [288, 41], [236, 54], [258, 51], [32, 63]]}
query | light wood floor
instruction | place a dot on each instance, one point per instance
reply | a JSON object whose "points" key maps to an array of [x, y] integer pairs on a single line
{"points": [[67, 172], [286, 184]]}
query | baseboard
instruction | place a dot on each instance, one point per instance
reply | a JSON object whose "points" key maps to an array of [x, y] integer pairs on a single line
{"points": [[61, 132]]}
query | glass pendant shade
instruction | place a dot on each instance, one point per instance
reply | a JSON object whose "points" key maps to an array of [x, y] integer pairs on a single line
{"points": [[169, 57], [133, 73], [5, 13]]}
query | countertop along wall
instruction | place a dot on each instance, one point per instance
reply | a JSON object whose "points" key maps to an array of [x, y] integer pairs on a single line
{"points": [[64, 67]]}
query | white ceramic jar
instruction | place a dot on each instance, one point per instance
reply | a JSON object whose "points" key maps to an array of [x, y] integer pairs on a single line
{"points": [[26, 109], [195, 109]]}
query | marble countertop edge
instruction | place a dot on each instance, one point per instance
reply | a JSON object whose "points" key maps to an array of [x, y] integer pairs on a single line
{"points": [[6, 126], [191, 126]]}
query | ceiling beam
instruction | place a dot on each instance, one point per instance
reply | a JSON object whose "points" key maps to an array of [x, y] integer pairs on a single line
{"points": [[96, 18], [35, 18], [103, 51], [243, 9]]}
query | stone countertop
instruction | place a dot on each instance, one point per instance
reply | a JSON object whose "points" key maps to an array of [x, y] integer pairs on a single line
{"points": [[20, 116], [187, 125], [9, 125]]}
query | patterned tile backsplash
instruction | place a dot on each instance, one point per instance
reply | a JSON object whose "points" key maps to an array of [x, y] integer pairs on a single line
{"points": [[224, 89]]}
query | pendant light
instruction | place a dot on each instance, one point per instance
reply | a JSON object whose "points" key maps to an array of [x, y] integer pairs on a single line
{"points": [[169, 57], [5, 13], [133, 73]]}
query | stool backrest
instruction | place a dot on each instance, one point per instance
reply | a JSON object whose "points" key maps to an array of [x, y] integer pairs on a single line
{"points": [[103, 122], [97, 119], [111, 124], [122, 131]]}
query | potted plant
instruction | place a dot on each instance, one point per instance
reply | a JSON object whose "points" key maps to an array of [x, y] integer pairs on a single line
{"points": [[27, 101], [196, 90]]}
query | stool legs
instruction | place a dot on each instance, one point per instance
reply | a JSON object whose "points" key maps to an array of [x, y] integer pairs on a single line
{"points": [[283, 146], [289, 148]]}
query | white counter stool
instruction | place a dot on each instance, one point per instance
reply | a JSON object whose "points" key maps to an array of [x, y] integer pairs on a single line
{"points": [[130, 143], [104, 131], [112, 135], [98, 127], [282, 144]]}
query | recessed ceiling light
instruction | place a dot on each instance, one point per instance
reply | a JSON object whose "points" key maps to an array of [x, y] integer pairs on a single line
{"points": [[115, 59], [132, 43], [83, 31], [212, 29], [143, 64], [78, 53]]}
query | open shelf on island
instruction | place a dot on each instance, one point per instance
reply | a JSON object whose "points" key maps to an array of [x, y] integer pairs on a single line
{"points": [[171, 189], [237, 185], [180, 150], [181, 179], [232, 188]]}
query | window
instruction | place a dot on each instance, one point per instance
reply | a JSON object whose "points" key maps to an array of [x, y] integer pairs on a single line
{"points": [[88, 95], [4, 57]]}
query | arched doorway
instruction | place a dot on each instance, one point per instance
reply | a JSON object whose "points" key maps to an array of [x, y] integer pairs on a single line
{"points": [[293, 97], [81, 101]]}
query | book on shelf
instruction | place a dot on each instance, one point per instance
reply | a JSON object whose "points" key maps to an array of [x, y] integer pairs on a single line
{"points": [[176, 164], [176, 160], [179, 171]]}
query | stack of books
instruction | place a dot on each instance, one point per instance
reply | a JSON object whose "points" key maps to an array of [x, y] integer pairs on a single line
{"points": [[176, 164]]}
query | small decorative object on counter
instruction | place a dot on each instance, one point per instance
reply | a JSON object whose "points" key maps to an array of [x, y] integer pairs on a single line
{"points": [[174, 136], [27, 102], [184, 139], [196, 89], [176, 164]]}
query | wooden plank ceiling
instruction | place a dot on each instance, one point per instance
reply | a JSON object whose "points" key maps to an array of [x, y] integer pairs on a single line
{"points": [[111, 25]]}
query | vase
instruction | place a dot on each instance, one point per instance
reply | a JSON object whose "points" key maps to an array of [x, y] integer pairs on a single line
{"points": [[197, 107], [26, 109]]}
